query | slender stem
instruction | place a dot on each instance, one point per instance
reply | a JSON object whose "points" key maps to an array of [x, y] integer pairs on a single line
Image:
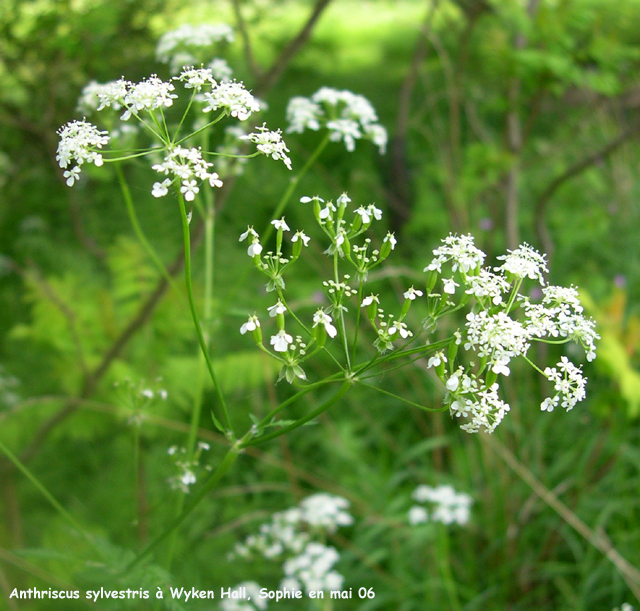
{"points": [[126, 194], [46, 494], [346, 385], [194, 314], [445, 568], [341, 323], [208, 485], [399, 398], [295, 397], [355, 337], [282, 204]]}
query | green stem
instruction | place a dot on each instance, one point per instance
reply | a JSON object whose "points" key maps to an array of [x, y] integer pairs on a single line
{"points": [[346, 385], [208, 485], [282, 204], [399, 398], [46, 494], [194, 314], [355, 337], [445, 568], [138, 230]]}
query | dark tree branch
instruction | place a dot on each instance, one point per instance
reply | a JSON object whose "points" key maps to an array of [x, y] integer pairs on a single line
{"points": [[269, 79], [582, 165], [246, 41]]}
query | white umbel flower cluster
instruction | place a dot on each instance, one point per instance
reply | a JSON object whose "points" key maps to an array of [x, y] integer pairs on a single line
{"points": [[312, 570], [270, 143], [309, 563], [445, 505], [348, 117], [186, 165], [186, 45], [233, 98], [501, 326], [79, 142]]}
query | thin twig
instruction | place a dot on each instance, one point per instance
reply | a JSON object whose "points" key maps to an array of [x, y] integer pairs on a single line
{"points": [[246, 41], [574, 170], [629, 573]]}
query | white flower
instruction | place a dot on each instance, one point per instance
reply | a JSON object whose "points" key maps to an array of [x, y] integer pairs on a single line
{"points": [[149, 95], [196, 78], [188, 44], [401, 329], [327, 511], [302, 113], [348, 117], [460, 250], [189, 189], [233, 98], [391, 239], [488, 284], [418, 515], [278, 308], [436, 360], [78, 142], [524, 262], [453, 382], [220, 69], [569, 384], [270, 143], [160, 189], [255, 247], [280, 224], [301, 235], [251, 325], [412, 293], [321, 318], [449, 506], [281, 341], [450, 286], [367, 301], [306, 199]]}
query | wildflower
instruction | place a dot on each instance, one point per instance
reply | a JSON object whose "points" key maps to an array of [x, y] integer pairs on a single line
{"points": [[321, 318], [524, 262], [401, 329], [301, 235], [255, 248], [569, 384], [281, 341], [313, 568], [270, 143], [220, 69], [186, 165], [196, 78], [460, 250], [278, 308], [160, 189], [450, 286], [251, 325], [78, 142], [367, 301], [150, 94], [280, 224], [436, 360], [347, 116], [233, 98], [449, 506], [412, 293], [418, 515], [487, 284], [327, 511], [390, 239]]}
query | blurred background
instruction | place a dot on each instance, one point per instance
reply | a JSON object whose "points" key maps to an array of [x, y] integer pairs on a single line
{"points": [[514, 120]]}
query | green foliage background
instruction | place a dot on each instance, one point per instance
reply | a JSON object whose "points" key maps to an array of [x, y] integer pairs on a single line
{"points": [[511, 120]]}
